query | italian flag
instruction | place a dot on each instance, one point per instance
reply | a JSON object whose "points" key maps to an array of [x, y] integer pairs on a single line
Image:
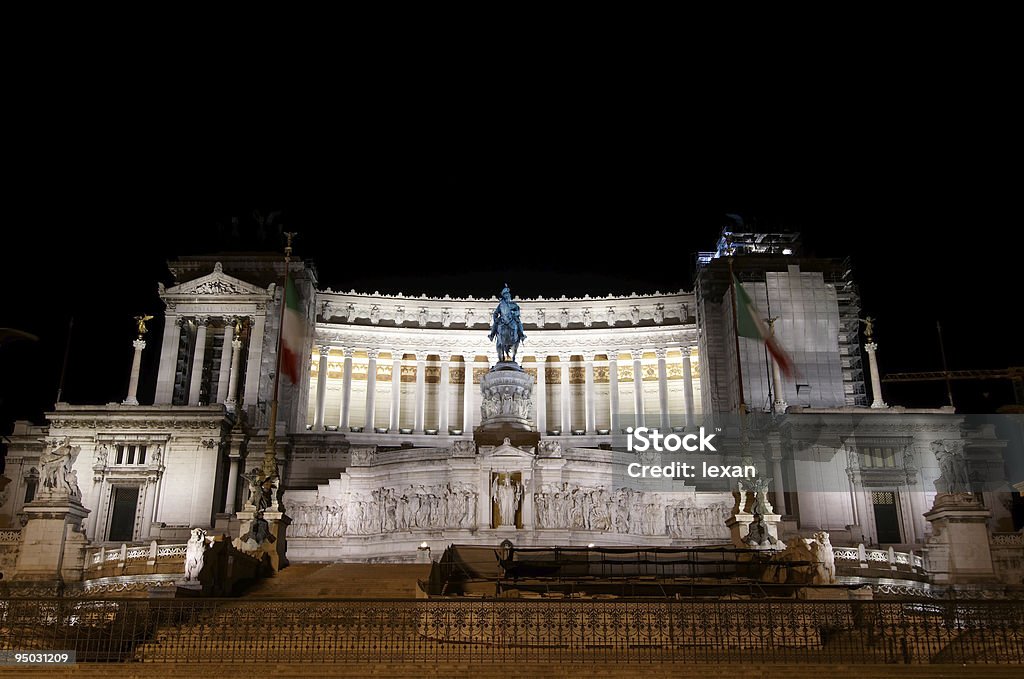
{"points": [[292, 326], [749, 324]]}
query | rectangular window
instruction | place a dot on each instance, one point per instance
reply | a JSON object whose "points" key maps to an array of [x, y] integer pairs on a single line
{"points": [[120, 455], [878, 458], [30, 490], [122, 515]]}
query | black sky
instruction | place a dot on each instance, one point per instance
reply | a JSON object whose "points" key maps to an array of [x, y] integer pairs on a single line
{"points": [[928, 223]]}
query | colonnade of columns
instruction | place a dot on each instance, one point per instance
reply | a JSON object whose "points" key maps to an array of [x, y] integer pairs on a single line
{"points": [[228, 372], [445, 391]]}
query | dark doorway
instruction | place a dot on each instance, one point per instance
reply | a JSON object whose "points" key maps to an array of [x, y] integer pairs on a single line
{"points": [[122, 515], [887, 523]]}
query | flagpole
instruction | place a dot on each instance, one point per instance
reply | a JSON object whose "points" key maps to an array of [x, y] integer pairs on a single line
{"points": [[270, 456]]}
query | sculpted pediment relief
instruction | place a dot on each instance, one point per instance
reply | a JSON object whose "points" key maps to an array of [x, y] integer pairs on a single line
{"points": [[506, 450], [216, 283]]}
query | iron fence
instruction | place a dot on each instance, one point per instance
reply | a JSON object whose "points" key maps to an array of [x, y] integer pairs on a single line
{"points": [[517, 630]]}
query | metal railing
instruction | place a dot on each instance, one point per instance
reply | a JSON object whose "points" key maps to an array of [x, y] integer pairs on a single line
{"points": [[502, 631]]}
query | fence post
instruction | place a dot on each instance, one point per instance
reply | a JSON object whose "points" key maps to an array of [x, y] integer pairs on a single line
{"points": [[892, 559], [862, 555]]}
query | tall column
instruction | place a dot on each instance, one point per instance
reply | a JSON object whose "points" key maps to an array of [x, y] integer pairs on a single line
{"points": [[421, 391], [688, 388], [638, 387], [223, 376], [371, 388], [254, 364], [613, 389], [566, 401], [442, 395], [590, 416], [236, 364], [779, 404], [394, 422], [346, 389], [467, 392], [197, 362], [777, 479], [540, 398], [876, 383], [662, 355], [133, 381], [168, 360], [229, 501], [321, 389]]}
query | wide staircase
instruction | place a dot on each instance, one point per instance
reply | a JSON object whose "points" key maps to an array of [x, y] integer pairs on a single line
{"points": [[518, 671], [342, 581]]}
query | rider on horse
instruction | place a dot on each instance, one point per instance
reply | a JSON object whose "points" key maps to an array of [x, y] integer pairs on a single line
{"points": [[507, 326]]}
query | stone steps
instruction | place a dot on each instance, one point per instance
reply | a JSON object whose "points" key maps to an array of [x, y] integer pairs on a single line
{"points": [[342, 581], [515, 670]]}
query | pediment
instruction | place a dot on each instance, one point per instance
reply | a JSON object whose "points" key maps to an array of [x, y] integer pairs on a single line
{"points": [[506, 450], [216, 283]]}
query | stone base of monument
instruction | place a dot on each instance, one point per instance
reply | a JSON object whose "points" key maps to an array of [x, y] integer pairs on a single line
{"points": [[958, 550], [274, 547], [40, 553], [507, 398], [739, 529]]}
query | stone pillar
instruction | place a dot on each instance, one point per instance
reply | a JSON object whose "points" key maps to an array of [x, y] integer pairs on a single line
{"points": [[254, 364], [613, 389], [566, 401], [371, 388], [442, 395], [148, 509], [777, 478], [223, 376], [590, 416], [394, 422], [346, 389], [229, 501], [467, 393], [168, 360], [421, 392], [133, 381], [540, 395], [321, 389], [638, 387], [688, 388], [662, 355], [199, 355], [876, 382], [236, 364], [958, 551]]}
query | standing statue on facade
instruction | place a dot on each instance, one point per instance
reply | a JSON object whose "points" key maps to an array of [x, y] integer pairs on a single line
{"points": [[507, 327], [506, 495]]}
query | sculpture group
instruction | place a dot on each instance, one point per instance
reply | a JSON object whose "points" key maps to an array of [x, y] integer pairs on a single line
{"points": [[387, 510]]}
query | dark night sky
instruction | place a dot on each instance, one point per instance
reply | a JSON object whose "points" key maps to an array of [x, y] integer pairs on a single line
{"points": [[927, 226]]}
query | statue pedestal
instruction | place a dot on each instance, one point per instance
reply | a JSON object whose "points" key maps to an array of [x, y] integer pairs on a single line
{"points": [[739, 529], [53, 540], [273, 544], [507, 398], [958, 550]]}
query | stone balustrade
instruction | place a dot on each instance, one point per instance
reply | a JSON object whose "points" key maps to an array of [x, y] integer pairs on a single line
{"points": [[879, 558]]}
